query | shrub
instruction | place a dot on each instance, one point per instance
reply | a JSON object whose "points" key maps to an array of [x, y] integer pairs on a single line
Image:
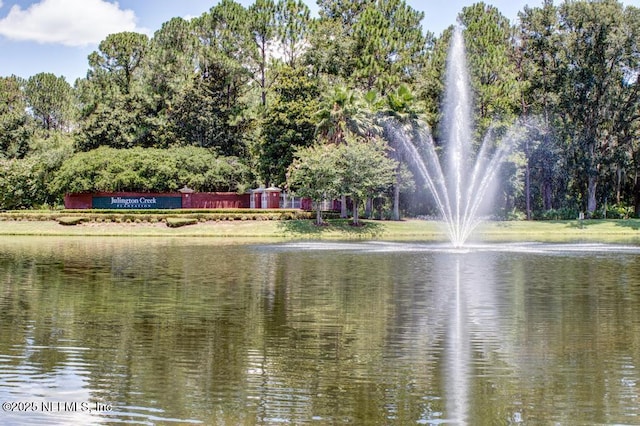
{"points": [[557, 214], [619, 211], [150, 170], [176, 222], [71, 220]]}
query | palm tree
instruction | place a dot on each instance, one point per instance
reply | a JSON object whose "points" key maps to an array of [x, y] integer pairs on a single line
{"points": [[343, 112], [402, 117]]}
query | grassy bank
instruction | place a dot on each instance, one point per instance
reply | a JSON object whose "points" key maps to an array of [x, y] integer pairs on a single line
{"points": [[627, 231], [269, 225], [240, 229]]}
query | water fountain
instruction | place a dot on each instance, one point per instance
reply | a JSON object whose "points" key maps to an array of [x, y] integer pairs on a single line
{"points": [[460, 192]]}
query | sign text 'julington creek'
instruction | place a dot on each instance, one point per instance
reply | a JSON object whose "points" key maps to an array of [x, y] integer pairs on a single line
{"points": [[151, 202]]}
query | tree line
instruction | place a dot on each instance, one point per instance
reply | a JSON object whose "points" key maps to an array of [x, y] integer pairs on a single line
{"points": [[258, 93]]}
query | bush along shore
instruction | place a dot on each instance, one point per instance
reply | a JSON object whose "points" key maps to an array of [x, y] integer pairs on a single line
{"points": [[172, 218], [229, 224]]}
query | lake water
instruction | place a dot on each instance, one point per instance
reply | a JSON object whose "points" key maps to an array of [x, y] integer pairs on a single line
{"points": [[192, 331]]}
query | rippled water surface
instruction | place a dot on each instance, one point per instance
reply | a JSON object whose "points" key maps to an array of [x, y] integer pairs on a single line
{"points": [[180, 331]]}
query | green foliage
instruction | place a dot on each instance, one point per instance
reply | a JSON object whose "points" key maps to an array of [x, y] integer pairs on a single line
{"points": [[288, 123], [540, 39], [168, 71], [149, 170], [24, 182], [119, 58], [365, 170], [331, 52], [20, 186], [488, 39], [429, 88], [225, 36], [596, 91], [114, 108], [262, 28], [404, 112], [581, 64], [293, 18], [313, 174], [224, 44], [15, 123], [344, 113], [119, 122], [557, 214], [51, 100], [618, 211], [169, 61], [177, 222], [343, 11], [358, 169], [510, 181], [71, 220], [203, 116], [390, 45], [547, 168]]}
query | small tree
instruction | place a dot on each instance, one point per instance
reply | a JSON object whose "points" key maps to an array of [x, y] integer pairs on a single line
{"points": [[364, 170], [313, 174]]}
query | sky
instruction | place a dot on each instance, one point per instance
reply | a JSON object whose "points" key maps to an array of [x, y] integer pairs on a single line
{"points": [[57, 36]]}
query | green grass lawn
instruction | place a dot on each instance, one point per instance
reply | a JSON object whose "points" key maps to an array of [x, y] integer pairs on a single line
{"points": [[407, 230], [562, 230]]}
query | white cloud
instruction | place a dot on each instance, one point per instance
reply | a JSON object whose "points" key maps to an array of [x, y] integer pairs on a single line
{"points": [[67, 22]]}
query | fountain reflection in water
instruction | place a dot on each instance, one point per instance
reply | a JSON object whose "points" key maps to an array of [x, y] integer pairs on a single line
{"points": [[459, 356], [460, 193]]}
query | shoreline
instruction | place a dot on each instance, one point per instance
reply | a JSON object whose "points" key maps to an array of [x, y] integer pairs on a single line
{"points": [[627, 231]]}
